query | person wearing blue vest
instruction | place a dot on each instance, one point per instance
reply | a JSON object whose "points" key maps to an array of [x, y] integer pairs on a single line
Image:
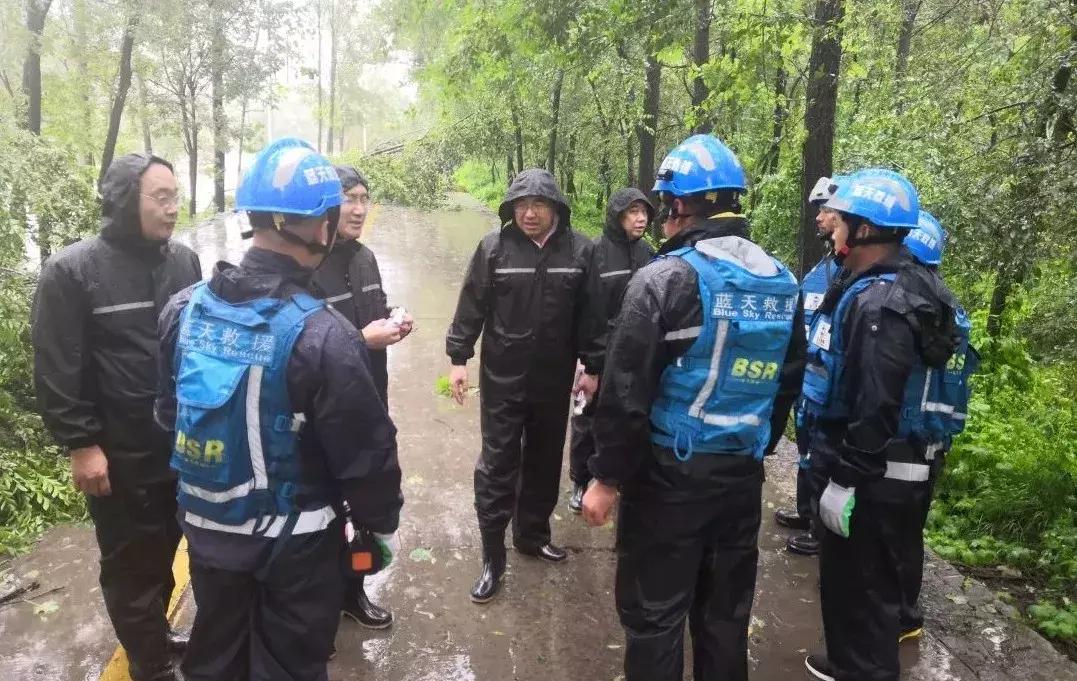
{"points": [[277, 423], [927, 244], [812, 289], [701, 371], [877, 348]]}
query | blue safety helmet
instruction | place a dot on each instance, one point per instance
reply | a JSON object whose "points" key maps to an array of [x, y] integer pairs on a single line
{"points": [[291, 178], [882, 197], [928, 241], [700, 164]]}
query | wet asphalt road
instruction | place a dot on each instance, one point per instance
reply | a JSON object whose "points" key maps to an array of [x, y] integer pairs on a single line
{"points": [[550, 622]]}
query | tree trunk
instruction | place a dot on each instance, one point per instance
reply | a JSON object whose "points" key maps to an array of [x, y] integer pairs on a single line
{"points": [[510, 172], [700, 56], [645, 130], [332, 76], [822, 95], [909, 10], [36, 11], [189, 122], [143, 110], [1005, 281], [123, 84], [555, 108], [219, 48], [519, 136], [80, 17], [318, 13], [570, 166], [781, 113]]}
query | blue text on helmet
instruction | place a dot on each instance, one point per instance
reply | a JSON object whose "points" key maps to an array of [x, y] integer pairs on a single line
{"points": [[883, 197], [701, 163]]}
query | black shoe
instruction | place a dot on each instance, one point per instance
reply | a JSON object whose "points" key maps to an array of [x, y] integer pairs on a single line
{"points": [[788, 517], [366, 613], [489, 582], [819, 667], [152, 671], [575, 502], [177, 643], [554, 554], [803, 544]]}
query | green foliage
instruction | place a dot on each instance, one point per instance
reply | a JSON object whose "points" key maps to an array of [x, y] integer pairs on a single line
{"points": [[475, 179], [418, 176], [36, 180], [1009, 492], [443, 386], [1055, 621]]}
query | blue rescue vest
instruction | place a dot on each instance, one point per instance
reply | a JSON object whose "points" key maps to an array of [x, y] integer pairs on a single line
{"points": [[718, 397], [236, 436], [935, 403], [813, 288]]}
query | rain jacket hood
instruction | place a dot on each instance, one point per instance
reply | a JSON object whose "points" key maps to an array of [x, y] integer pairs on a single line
{"points": [[120, 196], [618, 204], [535, 182]]}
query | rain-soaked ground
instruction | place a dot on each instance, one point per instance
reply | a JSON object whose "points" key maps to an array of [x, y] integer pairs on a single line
{"points": [[550, 622]]}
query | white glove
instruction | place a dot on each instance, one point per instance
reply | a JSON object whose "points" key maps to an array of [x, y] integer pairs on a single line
{"points": [[836, 508]]}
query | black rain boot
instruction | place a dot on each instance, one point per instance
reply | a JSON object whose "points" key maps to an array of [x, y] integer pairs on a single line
{"points": [[575, 502], [362, 610], [493, 567], [177, 643]]}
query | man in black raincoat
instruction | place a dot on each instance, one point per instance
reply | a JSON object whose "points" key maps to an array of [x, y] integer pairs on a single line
{"points": [[350, 281], [526, 292], [94, 328], [619, 251]]}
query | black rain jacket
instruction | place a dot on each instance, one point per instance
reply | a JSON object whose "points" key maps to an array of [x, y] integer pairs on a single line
{"points": [[350, 281], [533, 306], [94, 325], [663, 298], [616, 258], [886, 331]]}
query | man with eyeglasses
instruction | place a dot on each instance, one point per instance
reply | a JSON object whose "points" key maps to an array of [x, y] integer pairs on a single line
{"points": [[526, 291], [94, 324], [349, 281]]}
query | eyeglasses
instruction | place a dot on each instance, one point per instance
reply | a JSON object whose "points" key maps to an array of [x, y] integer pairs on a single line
{"points": [[362, 200], [164, 200], [533, 204]]}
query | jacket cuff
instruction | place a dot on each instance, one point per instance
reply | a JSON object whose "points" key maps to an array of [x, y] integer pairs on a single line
{"points": [[458, 361], [80, 442]]}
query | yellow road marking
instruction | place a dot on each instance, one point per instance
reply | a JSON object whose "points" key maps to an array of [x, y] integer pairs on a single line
{"points": [[116, 669]]}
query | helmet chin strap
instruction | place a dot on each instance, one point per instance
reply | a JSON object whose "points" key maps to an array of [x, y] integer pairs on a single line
{"points": [[313, 247]]}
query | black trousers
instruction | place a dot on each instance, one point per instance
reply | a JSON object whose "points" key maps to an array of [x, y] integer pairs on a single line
{"points": [[691, 560], [861, 582], [911, 565], [137, 534], [581, 448], [276, 623], [518, 473]]}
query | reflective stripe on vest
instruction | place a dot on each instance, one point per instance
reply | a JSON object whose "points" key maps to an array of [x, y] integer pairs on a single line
{"points": [[308, 522], [337, 299], [907, 472]]}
